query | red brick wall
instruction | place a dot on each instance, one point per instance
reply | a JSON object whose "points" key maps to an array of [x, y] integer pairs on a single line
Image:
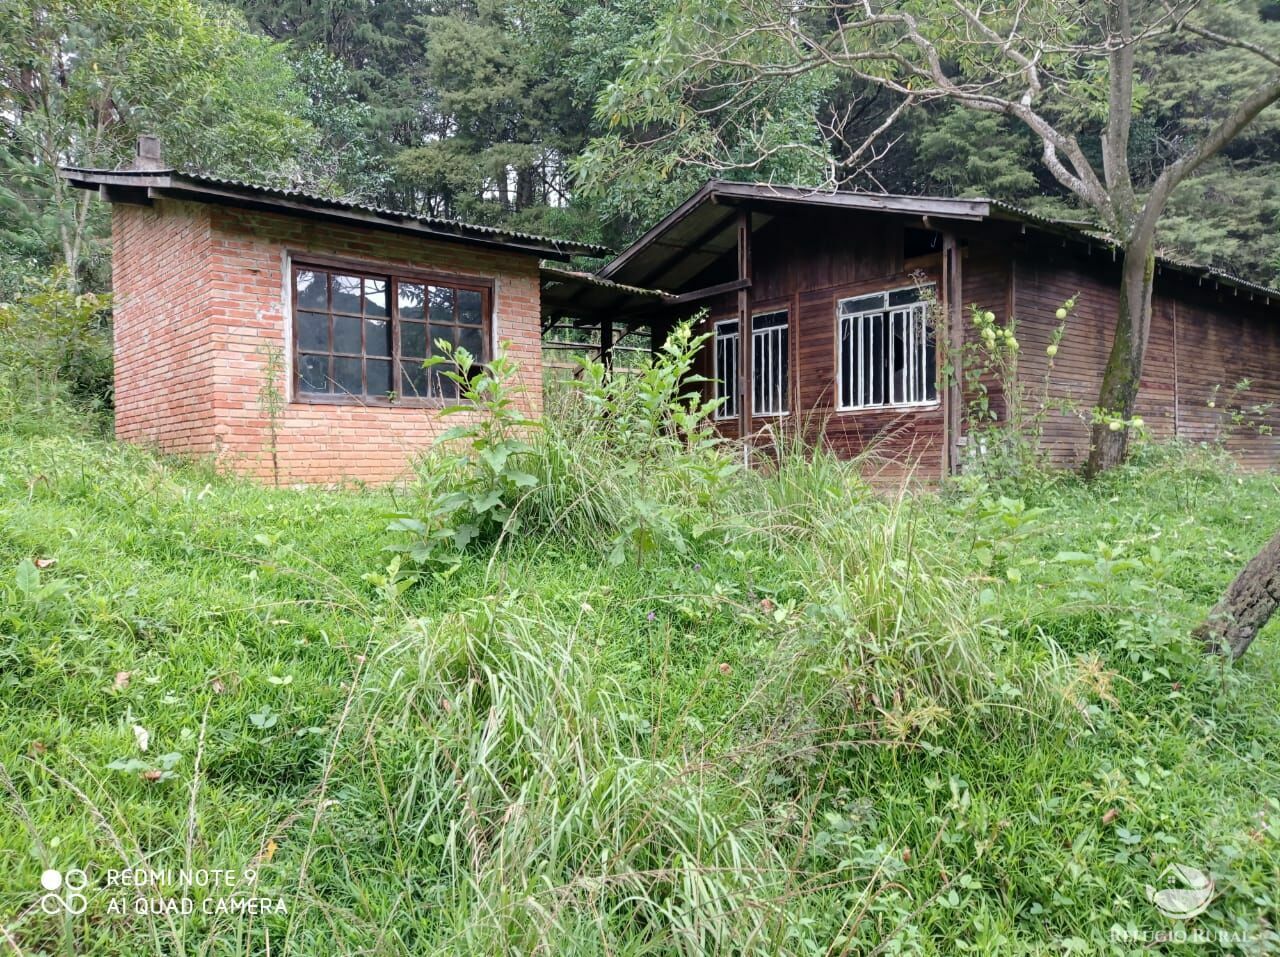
{"points": [[163, 358], [232, 284]]}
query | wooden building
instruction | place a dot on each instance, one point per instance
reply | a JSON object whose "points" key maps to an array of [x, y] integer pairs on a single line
{"points": [[857, 300]]}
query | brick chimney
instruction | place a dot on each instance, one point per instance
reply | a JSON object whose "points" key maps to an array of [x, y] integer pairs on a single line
{"points": [[150, 155]]}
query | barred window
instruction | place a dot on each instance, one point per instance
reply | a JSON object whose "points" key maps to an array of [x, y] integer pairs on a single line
{"points": [[770, 365], [363, 335], [887, 351]]}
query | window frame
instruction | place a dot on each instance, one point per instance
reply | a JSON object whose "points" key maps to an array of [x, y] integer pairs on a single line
{"points": [[770, 310], [393, 275], [887, 311]]}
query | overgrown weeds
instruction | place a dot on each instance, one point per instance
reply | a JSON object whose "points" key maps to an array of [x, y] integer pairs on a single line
{"points": [[778, 715]]}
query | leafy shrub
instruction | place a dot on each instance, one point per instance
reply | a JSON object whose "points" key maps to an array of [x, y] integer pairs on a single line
{"points": [[55, 342], [629, 461], [472, 481], [633, 461], [1005, 434]]}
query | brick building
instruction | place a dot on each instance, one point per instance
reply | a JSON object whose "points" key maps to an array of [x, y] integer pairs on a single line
{"points": [[213, 277]]}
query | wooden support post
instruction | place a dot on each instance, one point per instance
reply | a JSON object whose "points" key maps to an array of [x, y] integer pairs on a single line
{"points": [[952, 323], [744, 326], [606, 342]]}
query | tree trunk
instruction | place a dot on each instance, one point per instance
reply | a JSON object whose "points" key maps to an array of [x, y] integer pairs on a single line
{"points": [[1119, 392], [1247, 605]]}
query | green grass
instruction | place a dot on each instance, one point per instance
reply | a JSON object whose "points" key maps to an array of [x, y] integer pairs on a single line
{"points": [[954, 723]]}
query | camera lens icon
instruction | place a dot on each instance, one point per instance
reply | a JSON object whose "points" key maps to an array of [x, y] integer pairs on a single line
{"points": [[64, 891]]}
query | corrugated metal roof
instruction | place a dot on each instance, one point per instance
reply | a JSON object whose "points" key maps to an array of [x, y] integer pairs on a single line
{"points": [[1081, 229], [591, 279], [190, 179]]}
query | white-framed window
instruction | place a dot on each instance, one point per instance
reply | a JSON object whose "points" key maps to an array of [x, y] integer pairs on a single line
{"points": [[887, 352], [770, 364]]}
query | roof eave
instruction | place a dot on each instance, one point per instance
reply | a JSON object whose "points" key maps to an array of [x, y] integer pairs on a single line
{"points": [[719, 191], [171, 184]]}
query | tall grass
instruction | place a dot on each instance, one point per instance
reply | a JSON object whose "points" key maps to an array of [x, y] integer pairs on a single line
{"points": [[791, 715], [547, 821], [556, 815]]}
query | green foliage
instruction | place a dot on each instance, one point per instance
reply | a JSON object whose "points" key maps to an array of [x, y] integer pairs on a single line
{"points": [[80, 81], [1004, 415], [669, 123], [342, 158], [972, 722], [55, 342], [965, 153], [1234, 413], [472, 483], [649, 426], [758, 91]]}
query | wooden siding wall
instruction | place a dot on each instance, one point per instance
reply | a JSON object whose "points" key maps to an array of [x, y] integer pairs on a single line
{"points": [[806, 264], [1200, 338]]}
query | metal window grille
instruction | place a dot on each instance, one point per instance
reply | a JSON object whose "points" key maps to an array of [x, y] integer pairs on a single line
{"points": [[888, 354], [727, 369], [770, 365], [770, 359]]}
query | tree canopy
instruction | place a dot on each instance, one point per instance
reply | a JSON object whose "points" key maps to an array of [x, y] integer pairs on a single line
{"points": [[571, 116]]}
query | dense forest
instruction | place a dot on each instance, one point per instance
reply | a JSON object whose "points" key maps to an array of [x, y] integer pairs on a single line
{"points": [[507, 111]]}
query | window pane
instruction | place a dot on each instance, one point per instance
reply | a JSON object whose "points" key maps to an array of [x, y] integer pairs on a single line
{"points": [[727, 371], [877, 360], [346, 334], [313, 331], [313, 373], [769, 370], [784, 384], [413, 339], [346, 375], [413, 380], [310, 291], [447, 333], [441, 304], [469, 307], [473, 341], [849, 307], [848, 361], [897, 342], [902, 297], [375, 297], [377, 337], [378, 372], [768, 320], [411, 298], [346, 294], [930, 364], [442, 387]]}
